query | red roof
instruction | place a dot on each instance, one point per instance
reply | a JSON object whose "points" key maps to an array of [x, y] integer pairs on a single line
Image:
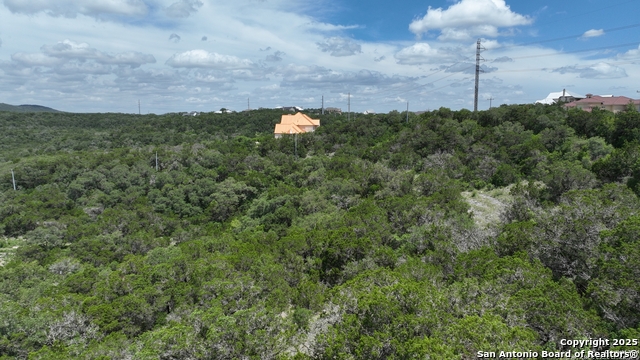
{"points": [[595, 100]]}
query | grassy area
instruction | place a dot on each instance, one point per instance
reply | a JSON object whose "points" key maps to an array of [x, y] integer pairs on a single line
{"points": [[488, 204]]}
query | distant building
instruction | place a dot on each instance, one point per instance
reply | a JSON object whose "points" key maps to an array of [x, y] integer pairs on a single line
{"points": [[605, 102], [332, 110], [191, 113], [290, 108], [295, 124], [560, 96]]}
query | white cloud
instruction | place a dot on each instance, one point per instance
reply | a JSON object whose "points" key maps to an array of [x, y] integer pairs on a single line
{"points": [[469, 18], [631, 54], [35, 59], [422, 53], [338, 46], [183, 8], [600, 70], [72, 8], [592, 33], [205, 59], [303, 76], [320, 26], [68, 49], [503, 59]]}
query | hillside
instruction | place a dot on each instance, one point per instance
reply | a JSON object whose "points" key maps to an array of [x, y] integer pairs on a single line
{"points": [[381, 238], [25, 108]]}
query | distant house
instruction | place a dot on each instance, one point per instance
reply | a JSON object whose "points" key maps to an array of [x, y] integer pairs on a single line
{"points": [[605, 102], [560, 96], [290, 108], [295, 124], [334, 110]]}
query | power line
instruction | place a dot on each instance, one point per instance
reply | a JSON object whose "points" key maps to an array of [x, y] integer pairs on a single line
{"points": [[564, 37], [577, 67], [576, 51]]}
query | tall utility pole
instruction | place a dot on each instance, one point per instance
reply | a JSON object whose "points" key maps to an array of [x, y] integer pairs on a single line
{"points": [[490, 100], [322, 104], [407, 112], [248, 107], [138, 106], [13, 178], [349, 106], [478, 58]]}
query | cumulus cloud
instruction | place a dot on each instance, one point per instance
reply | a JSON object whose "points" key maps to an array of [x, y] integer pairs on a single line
{"points": [[276, 56], [205, 59], [339, 46], [303, 75], [592, 33], [174, 37], [69, 49], [35, 59], [72, 8], [422, 53], [469, 18], [503, 59], [631, 54], [600, 70], [183, 8]]}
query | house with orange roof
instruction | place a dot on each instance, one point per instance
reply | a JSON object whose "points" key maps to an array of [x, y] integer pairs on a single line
{"points": [[295, 124], [605, 102]]}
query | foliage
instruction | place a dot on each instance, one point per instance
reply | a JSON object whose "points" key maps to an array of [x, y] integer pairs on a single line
{"points": [[361, 246]]}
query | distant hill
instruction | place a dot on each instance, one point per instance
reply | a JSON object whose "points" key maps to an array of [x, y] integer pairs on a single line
{"points": [[26, 108]]}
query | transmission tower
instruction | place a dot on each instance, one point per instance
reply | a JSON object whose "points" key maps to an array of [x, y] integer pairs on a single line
{"points": [[349, 107], [478, 71]]}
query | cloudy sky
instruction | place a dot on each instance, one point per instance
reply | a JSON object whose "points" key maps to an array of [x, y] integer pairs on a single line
{"points": [[181, 55]]}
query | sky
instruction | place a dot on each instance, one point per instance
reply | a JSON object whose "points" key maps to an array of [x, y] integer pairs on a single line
{"points": [[204, 55]]}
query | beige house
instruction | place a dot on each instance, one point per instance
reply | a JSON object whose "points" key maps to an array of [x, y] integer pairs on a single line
{"points": [[295, 124], [607, 102]]}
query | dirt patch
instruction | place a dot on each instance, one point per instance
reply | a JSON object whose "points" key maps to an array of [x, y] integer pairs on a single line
{"points": [[487, 205]]}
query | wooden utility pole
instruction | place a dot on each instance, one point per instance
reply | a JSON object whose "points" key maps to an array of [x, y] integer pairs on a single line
{"points": [[138, 106], [490, 100]]}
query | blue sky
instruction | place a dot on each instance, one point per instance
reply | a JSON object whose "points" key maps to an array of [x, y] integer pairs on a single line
{"points": [[181, 55]]}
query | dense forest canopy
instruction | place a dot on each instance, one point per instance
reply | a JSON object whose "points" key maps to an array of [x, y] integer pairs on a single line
{"points": [[379, 237]]}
